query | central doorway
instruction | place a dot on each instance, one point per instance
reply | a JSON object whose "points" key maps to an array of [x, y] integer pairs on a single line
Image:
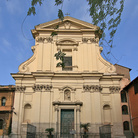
{"points": [[67, 123]]}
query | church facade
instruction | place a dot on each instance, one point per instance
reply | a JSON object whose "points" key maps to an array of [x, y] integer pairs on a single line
{"points": [[86, 90]]}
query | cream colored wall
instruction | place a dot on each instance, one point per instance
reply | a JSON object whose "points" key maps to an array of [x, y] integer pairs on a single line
{"points": [[90, 70], [43, 111], [86, 55]]}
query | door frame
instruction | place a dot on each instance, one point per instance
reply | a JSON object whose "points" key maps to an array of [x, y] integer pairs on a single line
{"points": [[59, 116]]}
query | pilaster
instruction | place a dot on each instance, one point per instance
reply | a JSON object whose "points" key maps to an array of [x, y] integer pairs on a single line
{"points": [[18, 105]]}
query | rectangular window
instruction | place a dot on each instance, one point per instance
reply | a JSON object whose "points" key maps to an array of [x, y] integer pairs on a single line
{"points": [[68, 63], [136, 87]]}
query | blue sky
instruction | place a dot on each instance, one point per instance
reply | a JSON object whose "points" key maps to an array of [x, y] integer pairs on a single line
{"points": [[16, 39]]}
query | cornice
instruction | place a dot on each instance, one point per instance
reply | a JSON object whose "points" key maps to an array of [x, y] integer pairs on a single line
{"points": [[67, 18], [49, 26], [70, 74], [68, 103]]}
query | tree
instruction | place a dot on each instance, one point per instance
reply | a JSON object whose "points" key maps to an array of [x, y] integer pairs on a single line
{"points": [[105, 13], [85, 128], [49, 131]]}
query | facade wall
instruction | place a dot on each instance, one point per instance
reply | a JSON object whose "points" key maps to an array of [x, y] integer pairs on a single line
{"points": [[90, 89], [88, 103], [133, 100], [6, 92], [124, 98], [123, 70]]}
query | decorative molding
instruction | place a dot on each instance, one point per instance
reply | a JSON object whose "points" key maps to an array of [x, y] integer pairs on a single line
{"points": [[109, 68], [114, 89], [92, 40], [67, 87], [44, 39], [20, 88], [78, 108], [68, 103], [56, 108], [33, 48], [67, 25], [75, 48], [24, 66], [107, 103], [67, 95], [100, 49], [67, 41], [41, 87], [92, 88], [85, 40]]}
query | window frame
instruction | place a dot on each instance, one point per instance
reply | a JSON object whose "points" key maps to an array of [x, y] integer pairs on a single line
{"points": [[124, 112], [3, 103], [126, 125], [135, 87], [1, 124], [67, 67]]}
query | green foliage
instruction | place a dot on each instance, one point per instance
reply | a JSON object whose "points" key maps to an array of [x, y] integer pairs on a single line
{"points": [[60, 56], [49, 130], [85, 127], [58, 2], [32, 8], [53, 34], [60, 15], [105, 13]]}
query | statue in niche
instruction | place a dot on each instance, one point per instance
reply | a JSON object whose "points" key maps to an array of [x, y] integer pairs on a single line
{"points": [[67, 94]]}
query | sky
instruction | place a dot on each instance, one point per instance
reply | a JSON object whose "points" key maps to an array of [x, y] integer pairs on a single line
{"points": [[16, 38]]}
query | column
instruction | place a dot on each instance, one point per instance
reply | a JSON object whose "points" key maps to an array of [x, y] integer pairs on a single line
{"points": [[18, 115], [56, 118], [47, 61], [94, 57], [75, 58], [40, 56], [78, 119]]}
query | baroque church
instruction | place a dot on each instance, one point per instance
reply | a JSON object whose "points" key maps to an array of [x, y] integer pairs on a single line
{"points": [[86, 90]]}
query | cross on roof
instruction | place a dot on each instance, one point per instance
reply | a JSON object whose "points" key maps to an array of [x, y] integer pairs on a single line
{"points": [[67, 14]]}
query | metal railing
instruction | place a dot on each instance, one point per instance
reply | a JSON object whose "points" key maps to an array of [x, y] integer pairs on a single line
{"points": [[37, 130]]}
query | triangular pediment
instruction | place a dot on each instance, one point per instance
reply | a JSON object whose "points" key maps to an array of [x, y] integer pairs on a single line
{"points": [[68, 23]]}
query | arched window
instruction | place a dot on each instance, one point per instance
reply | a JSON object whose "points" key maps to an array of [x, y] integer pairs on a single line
{"points": [[1, 124], [126, 125], [3, 101], [123, 97], [27, 113], [107, 114], [124, 110], [67, 95]]}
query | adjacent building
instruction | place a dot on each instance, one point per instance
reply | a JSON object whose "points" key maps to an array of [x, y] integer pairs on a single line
{"points": [[132, 93], [6, 108], [126, 114], [86, 90]]}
